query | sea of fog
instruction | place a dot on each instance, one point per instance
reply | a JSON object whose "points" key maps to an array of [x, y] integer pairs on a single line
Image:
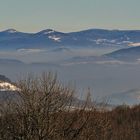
{"points": [[102, 79]]}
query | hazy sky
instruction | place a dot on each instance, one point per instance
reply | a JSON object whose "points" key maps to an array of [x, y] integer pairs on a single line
{"points": [[69, 15]]}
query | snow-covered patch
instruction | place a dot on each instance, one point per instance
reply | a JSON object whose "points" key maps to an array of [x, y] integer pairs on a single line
{"points": [[98, 41], [113, 41], [5, 86], [134, 44], [49, 32], [55, 38], [128, 42], [11, 31]]}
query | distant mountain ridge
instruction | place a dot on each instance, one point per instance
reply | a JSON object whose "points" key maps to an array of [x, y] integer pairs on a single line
{"points": [[13, 39], [127, 54]]}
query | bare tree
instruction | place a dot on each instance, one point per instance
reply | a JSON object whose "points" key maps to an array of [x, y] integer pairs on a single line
{"points": [[42, 111]]}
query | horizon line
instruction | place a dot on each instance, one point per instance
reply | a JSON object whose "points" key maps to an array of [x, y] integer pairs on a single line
{"points": [[84, 29]]}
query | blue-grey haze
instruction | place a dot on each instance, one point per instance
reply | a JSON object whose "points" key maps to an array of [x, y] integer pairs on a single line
{"points": [[69, 15]]}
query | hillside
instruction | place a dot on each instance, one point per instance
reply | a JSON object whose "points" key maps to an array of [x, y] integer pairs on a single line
{"points": [[127, 54]]}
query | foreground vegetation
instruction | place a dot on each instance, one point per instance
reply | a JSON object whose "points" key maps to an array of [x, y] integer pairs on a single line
{"points": [[43, 109]]}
